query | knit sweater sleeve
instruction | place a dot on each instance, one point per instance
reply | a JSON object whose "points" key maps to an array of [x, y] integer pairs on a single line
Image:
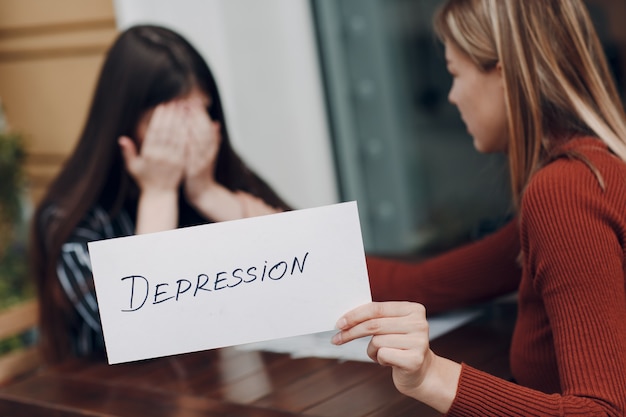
{"points": [[470, 274], [572, 240]]}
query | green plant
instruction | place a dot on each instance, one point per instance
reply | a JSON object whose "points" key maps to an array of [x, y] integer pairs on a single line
{"points": [[14, 285], [11, 160]]}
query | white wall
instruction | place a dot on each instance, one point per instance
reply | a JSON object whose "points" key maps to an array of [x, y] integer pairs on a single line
{"points": [[263, 55]]}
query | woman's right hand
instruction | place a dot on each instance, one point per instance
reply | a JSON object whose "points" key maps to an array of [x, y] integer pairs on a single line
{"points": [[159, 163], [158, 167]]}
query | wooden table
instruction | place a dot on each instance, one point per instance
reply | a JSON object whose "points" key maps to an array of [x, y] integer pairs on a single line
{"points": [[236, 383]]}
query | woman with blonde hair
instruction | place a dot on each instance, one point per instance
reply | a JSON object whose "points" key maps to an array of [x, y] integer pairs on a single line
{"points": [[530, 79]]}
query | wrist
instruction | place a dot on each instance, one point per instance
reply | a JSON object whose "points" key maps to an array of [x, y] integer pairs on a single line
{"points": [[158, 195], [218, 203], [196, 192], [157, 211], [439, 386]]}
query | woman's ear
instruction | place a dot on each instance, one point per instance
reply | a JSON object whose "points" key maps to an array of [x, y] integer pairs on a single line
{"points": [[129, 150], [500, 72]]}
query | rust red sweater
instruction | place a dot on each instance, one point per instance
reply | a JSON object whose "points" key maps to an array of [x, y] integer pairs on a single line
{"points": [[568, 352]]}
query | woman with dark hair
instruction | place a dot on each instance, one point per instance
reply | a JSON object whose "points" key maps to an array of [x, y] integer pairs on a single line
{"points": [[154, 155]]}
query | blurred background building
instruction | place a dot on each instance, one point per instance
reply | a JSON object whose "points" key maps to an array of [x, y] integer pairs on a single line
{"points": [[330, 100]]}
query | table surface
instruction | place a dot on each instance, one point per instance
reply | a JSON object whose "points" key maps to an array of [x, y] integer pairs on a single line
{"points": [[232, 382]]}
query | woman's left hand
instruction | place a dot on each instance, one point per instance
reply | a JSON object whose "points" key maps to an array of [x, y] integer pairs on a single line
{"points": [[203, 143], [399, 332]]}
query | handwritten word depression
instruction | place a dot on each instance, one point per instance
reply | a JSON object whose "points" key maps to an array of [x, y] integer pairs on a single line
{"points": [[141, 289]]}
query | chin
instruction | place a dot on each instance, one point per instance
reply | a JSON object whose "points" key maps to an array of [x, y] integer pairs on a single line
{"points": [[483, 147], [480, 147]]}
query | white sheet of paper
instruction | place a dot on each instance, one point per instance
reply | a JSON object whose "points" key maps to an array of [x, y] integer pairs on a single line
{"points": [[318, 345], [229, 283]]}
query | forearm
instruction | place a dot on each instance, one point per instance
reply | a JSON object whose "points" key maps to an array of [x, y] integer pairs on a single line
{"points": [[157, 211], [220, 204], [472, 273], [439, 387]]}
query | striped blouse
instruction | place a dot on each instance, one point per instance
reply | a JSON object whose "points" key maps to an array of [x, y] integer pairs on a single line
{"points": [[75, 273], [74, 266]]}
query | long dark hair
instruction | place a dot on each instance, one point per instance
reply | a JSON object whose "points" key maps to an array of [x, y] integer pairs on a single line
{"points": [[145, 66]]}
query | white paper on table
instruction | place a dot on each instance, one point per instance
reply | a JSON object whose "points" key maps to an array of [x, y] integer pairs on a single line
{"points": [[318, 345], [229, 283]]}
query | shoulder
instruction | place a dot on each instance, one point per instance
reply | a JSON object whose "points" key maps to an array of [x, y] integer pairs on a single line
{"points": [[572, 211], [99, 224], [582, 168], [561, 182], [579, 190]]}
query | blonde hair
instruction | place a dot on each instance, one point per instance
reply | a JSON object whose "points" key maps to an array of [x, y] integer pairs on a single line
{"points": [[557, 81]]}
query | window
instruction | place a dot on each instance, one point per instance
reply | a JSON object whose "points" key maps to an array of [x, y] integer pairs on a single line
{"points": [[401, 149]]}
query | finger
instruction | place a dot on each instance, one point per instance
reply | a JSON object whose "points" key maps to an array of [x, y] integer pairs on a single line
{"points": [[404, 359], [174, 125], [161, 132], [400, 325], [197, 101], [378, 310], [201, 126], [154, 126], [415, 340]]}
